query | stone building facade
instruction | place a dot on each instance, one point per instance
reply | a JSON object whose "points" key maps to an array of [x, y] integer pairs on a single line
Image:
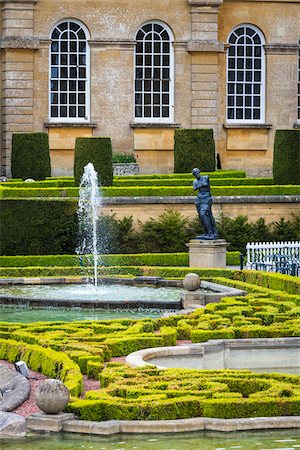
{"points": [[136, 71]]}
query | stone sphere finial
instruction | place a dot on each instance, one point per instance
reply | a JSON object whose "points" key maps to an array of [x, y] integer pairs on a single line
{"points": [[52, 396], [191, 282]]}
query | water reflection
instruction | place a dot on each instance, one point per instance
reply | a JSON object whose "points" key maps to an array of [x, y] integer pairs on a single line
{"points": [[264, 440]]}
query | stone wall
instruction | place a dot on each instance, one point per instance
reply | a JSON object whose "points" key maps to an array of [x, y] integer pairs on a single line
{"points": [[141, 209]]}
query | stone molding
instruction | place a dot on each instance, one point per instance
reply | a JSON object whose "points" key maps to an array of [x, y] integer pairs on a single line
{"points": [[205, 2], [254, 126], [70, 125], [205, 46], [154, 125], [14, 42], [118, 44], [272, 49], [191, 200], [111, 427], [33, 2]]}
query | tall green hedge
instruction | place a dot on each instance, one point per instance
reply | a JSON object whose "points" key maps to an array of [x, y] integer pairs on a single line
{"points": [[286, 159], [30, 156], [37, 227], [194, 148], [97, 150]]}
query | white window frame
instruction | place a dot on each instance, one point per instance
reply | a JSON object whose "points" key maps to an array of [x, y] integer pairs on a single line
{"points": [[263, 80], [85, 119], [155, 120]]}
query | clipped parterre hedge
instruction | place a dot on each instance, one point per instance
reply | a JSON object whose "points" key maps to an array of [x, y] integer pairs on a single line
{"points": [[148, 191]]}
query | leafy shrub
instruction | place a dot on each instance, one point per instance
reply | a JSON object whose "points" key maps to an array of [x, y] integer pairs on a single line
{"points": [[169, 231], [97, 150], [30, 156], [194, 148], [286, 158], [123, 158]]}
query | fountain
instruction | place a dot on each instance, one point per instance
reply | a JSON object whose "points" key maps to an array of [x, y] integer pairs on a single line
{"points": [[89, 208]]}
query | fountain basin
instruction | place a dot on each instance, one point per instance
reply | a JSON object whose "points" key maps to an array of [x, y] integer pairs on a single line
{"points": [[267, 354], [150, 292]]}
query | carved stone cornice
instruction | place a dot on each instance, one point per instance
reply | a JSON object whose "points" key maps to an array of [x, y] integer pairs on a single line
{"points": [[205, 46], [117, 44], [33, 2], [272, 49], [14, 42], [205, 2]]}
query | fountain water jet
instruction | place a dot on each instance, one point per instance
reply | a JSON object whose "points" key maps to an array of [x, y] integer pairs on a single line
{"points": [[89, 208]]}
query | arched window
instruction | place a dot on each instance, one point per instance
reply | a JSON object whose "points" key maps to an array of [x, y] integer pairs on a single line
{"points": [[69, 72], [246, 75], [154, 73]]}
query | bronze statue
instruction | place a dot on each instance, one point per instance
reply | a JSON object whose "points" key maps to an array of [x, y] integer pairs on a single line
{"points": [[203, 205]]}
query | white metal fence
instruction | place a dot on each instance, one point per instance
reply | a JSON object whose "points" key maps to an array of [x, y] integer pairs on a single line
{"points": [[281, 257]]}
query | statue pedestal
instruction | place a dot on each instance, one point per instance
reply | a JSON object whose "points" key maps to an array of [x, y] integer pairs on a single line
{"points": [[207, 254]]}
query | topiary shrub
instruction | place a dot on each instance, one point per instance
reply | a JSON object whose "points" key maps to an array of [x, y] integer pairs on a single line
{"points": [[97, 150], [194, 148], [286, 158], [30, 156]]}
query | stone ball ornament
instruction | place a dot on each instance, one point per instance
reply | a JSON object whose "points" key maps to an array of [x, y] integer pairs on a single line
{"points": [[191, 282], [52, 396]]}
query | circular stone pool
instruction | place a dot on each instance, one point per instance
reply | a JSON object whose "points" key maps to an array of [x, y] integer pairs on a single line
{"points": [[259, 354], [86, 295]]}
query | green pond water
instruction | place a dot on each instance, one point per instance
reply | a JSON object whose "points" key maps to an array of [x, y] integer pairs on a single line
{"points": [[100, 293], [28, 315], [264, 440]]}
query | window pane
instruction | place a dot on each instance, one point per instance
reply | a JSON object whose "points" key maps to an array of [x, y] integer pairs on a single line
{"points": [[147, 99], [72, 111], [63, 111], [72, 99], [54, 85], [165, 111], [239, 113], [156, 99], [247, 114], [147, 111], [54, 99], [63, 98], [73, 46], [138, 86], [147, 85], [54, 47], [54, 72], [82, 72], [81, 111], [54, 111], [156, 111], [139, 60], [64, 46], [54, 60]]}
